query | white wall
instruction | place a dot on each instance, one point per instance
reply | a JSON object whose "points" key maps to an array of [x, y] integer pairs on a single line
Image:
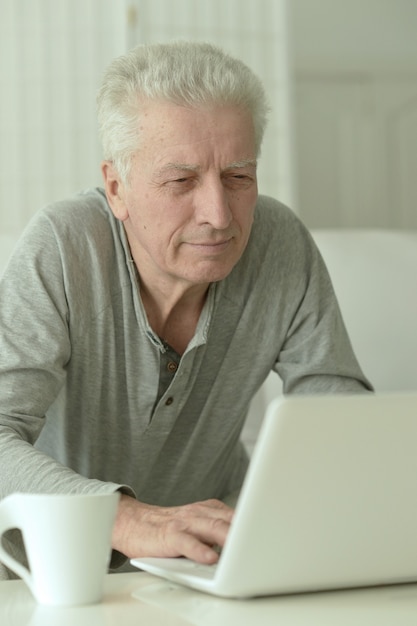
{"points": [[355, 109], [51, 57], [354, 35]]}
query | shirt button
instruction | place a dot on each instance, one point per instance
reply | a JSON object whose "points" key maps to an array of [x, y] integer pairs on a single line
{"points": [[169, 401], [172, 367]]}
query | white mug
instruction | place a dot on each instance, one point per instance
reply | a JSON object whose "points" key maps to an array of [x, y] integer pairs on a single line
{"points": [[67, 539]]}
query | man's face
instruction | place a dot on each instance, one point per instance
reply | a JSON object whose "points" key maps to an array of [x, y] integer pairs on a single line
{"points": [[188, 207]]}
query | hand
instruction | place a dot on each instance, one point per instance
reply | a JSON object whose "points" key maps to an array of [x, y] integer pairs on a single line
{"points": [[192, 530]]}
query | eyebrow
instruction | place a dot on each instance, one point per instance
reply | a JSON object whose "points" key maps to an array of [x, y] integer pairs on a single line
{"points": [[189, 167], [177, 166], [241, 164]]}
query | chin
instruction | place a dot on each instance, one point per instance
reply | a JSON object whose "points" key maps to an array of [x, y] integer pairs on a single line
{"points": [[200, 270], [209, 275]]}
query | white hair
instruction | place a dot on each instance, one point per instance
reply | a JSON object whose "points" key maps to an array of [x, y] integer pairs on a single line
{"points": [[186, 73]]}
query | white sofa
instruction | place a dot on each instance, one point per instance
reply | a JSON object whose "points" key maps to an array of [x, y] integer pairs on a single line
{"points": [[374, 273]]}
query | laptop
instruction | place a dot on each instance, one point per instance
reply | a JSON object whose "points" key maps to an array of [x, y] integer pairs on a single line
{"points": [[329, 501]]}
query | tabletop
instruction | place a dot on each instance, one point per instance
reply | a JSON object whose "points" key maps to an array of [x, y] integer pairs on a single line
{"points": [[141, 599]]}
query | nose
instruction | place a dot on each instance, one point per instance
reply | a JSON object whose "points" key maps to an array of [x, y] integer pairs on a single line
{"points": [[211, 205]]}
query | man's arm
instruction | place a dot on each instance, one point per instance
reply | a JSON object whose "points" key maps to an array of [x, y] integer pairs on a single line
{"points": [[32, 373]]}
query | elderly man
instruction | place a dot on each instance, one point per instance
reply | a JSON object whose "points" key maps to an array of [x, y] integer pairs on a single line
{"points": [[138, 321]]}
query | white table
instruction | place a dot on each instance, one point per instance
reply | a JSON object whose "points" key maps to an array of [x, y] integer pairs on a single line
{"points": [[138, 599]]}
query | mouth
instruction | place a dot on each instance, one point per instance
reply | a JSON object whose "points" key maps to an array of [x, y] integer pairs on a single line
{"points": [[211, 246]]}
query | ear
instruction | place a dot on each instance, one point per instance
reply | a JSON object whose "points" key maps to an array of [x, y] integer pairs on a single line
{"points": [[115, 191]]}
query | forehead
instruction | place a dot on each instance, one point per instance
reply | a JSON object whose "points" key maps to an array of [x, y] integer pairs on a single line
{"points": [[174, 133]]}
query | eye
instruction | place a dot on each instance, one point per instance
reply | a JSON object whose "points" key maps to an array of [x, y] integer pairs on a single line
{"points": [[180, 180], [238, 180], [180, 184]]}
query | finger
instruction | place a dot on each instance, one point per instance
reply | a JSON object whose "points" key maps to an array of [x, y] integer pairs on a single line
{"points": [[191, 547]]}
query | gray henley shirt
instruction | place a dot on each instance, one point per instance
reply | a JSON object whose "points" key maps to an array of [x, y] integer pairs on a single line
{"points": [[83, 404]]}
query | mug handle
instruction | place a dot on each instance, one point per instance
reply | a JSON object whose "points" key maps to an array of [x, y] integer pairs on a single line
{"points": [[8, 522]]}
